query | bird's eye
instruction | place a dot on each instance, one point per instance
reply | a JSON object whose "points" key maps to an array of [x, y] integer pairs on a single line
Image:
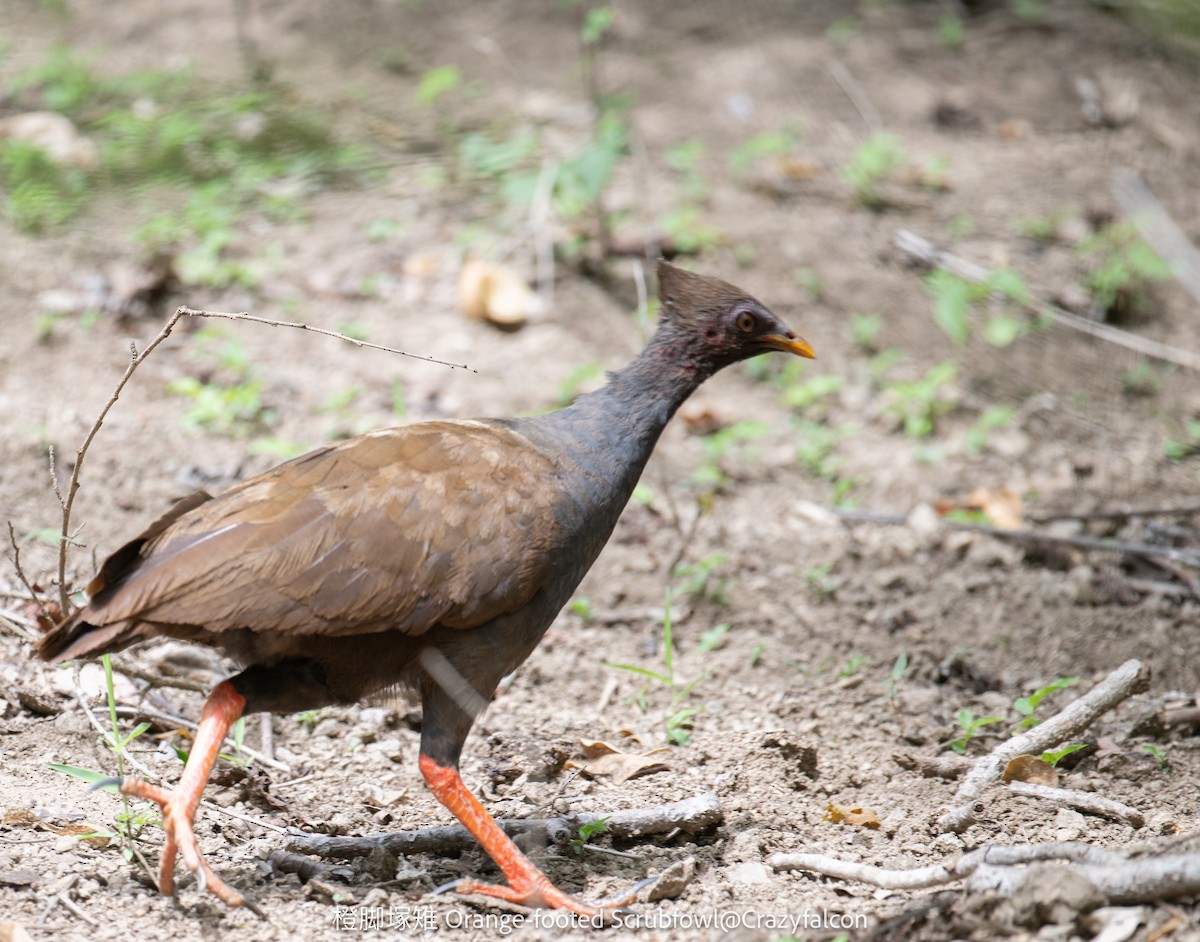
{"points": [[745, 322]]}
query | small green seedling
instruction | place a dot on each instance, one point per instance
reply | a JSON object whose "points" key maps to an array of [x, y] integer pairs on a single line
{"points": [[918, 404], [1163, 762], [586, 833], [852, 665], [701, 578], [713, 638], [992, 418], [863, 331], [756, 655], [677, 721], [1027, 706], [891, 684], [873, 162], [1055, 756], [582, 607], [970, 724], [1186, 446]]}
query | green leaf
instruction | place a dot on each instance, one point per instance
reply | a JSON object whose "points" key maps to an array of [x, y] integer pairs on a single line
{"points": [[436, 82], [713, 638], [87, 775], [951, 303]]}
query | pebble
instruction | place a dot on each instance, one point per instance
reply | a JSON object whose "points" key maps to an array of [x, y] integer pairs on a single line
{"points": [[750, 872]]}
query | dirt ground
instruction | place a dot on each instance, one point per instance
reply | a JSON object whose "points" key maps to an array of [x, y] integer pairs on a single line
{"points": [[848, 641]]}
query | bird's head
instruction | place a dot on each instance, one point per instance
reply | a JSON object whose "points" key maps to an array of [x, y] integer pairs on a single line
{"points": [[721, 323]]}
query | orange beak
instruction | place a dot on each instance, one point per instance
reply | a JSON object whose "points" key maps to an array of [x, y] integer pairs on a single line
{"points": [[793, 344]]}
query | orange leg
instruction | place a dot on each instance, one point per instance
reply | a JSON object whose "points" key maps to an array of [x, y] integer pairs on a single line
{"points": [[221, 711], [527, 885]]}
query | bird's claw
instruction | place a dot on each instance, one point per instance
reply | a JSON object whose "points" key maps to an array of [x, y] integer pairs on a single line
{"points": [[177, 813]]}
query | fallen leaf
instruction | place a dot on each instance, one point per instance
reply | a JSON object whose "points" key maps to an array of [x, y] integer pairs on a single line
{"points": [[1031, 769], [856, 817], [798, 169], [496, 294], [99, 839], [13, 932], [700, 418], [601, 758], [1002, 506]]}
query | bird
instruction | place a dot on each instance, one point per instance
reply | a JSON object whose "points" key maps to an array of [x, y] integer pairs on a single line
{"points": [[431, 557]]}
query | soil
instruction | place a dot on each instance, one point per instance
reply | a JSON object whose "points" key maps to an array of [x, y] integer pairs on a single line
{"points": [[805, 700]]}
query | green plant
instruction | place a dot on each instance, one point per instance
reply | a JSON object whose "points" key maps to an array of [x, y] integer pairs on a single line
{"points": [[586, 833], [702, 578], [678, 720], [1186, 446], [1027, 706], [812, 391], [1163, 762], [724, 443], [872, 163], [950, 31], [953, 298], [1123, 268], [970, 724], [582, 606], [918, 404], [816, 446], [436, 83], [891, 684], [818, 578], [129, 822], [854, 662], [745, 155], [1055, 756], [713, 638], [842, 30], [863, 331], [39, 192], [684, 158], [994, 417]]}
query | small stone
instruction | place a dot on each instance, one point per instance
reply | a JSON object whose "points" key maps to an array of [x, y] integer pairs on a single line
{"points": [[749, 873], [673, 881], [328, 728]]}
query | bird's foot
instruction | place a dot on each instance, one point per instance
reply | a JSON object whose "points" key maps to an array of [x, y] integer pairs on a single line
{"points": [[534, 889], [178, 811]]}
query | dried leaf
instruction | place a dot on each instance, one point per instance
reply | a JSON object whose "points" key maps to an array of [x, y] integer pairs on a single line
{"points": [[1002, 506], [601, 758], [99, 839], [1031, 769], [13, 932], [495, 294], [856, 817]]}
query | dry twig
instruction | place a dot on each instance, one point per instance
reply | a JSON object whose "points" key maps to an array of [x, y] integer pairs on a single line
{"points": [[1122, 879], [692, 815], [917, 247], [1128, 679], [1086, 802]]}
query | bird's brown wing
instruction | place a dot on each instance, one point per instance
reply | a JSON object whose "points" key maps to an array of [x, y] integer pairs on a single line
{"points": [[449, 523]]}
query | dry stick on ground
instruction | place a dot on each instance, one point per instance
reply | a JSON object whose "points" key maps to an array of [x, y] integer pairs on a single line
{"points": [[1086, 802], [33, 595], [691, 815], [1128, 679], [1119, 877], [1098, 544], [914, 245], [1158, 229]]}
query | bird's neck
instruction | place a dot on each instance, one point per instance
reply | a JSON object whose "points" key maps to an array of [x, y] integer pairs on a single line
{"points": [[615, 428]]}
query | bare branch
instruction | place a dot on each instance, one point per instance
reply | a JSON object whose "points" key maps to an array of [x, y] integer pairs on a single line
{"points": [[914, 245], [1128, 679], [692, 815], [1086, 802], [135, 360], [242, 316], [34, 596]]}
